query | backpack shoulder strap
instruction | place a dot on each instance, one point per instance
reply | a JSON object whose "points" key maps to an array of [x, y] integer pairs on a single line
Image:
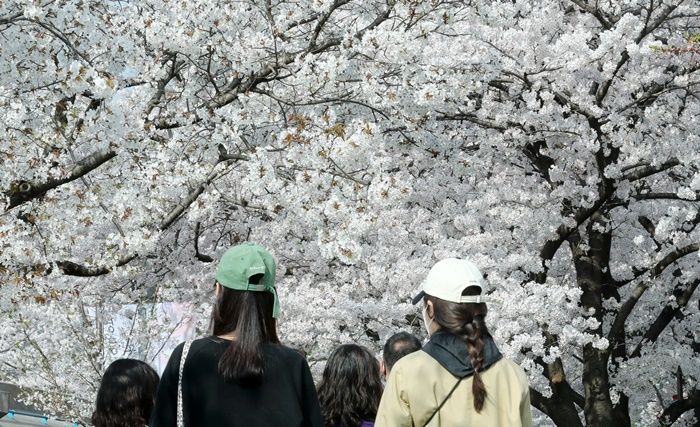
{"points": [[443, 402]]}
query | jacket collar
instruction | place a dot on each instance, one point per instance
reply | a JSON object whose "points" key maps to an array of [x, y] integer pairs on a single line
{"points": [[450, 351]]}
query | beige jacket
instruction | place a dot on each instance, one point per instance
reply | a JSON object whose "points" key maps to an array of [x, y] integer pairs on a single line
{"points": [[418, 383]]}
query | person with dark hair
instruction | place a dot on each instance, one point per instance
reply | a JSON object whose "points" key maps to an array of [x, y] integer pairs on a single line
{"points": [[397, 346], [126, 395], [351, 387], [460, 377], [241, 375]]}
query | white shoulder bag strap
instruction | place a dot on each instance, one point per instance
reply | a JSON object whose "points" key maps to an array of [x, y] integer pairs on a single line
{"points": [[180, 417]]}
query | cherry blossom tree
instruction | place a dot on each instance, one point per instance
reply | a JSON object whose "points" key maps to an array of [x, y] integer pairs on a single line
{"points": [[553, 142]]}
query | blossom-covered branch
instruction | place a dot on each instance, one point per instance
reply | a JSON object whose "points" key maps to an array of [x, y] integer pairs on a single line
{"points": [[639, 290], [24, 191]]}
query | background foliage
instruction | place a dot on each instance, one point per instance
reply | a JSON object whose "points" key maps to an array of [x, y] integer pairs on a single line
{"points": [[553, 142]]}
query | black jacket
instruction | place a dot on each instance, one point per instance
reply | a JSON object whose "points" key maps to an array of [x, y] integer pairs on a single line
{"points": [[286, 397]]}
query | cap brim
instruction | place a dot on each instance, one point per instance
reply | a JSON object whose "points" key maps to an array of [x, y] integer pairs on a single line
{"points": [[418, 297]]}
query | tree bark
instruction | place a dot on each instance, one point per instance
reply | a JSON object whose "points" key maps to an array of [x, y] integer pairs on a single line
{"points": [[683, 293], [561, 405], [560, 410], [679, 407], [23, 192], [592, 276]]}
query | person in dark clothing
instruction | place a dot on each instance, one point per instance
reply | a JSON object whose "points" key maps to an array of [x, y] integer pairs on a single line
{"points": [[126, 394], [351, 387], [397, 346], [241, 375]]}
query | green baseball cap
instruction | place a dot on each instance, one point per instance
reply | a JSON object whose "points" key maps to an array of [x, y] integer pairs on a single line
{"points": [[240, 263]]}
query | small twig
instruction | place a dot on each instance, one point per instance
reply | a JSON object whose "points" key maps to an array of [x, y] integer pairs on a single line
{"points": [[658, 394], [197, 254]]}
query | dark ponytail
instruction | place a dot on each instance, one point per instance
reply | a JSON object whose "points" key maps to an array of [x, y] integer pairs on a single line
{"points": [[248, 314], [467, 321]]}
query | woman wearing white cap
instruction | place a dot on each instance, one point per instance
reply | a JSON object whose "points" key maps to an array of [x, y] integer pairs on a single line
{"points": [[460, 377]]}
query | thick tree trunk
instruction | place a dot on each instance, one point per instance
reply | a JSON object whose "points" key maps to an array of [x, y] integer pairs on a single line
{"points": [[592, 275], [598, 408]]}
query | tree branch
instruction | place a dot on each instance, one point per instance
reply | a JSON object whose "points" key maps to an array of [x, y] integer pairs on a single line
{"points": [[651, 229], [550, 248], [175, 213], [59, 35], [615, 202], [648, 226], [674, 411], [197, 254], [322, 21], [648, 29], [25, 191], [628, 306], [10, 19], [270, 71], [666, 316], [539, 401], [665, 13], [70, 268], [553, 409], [560, 386], [542, 163], [650, 170], [341, 172], [603, 89], [597, 13], [175, 66], [471, 118], [663, 196]]}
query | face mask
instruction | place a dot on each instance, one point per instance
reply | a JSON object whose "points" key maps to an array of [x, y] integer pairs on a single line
{"points": [[427, 322]]}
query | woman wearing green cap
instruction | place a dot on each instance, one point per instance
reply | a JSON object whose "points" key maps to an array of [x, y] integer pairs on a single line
{"points": [[241, 375]]}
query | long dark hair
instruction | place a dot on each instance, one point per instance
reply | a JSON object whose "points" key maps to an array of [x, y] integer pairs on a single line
{"points": [[351, 387], [467, 321], [127, 394], [248, 314]]}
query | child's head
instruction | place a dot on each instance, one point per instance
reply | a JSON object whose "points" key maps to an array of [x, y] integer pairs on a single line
{"points": [[126, 395], [351, 387]]}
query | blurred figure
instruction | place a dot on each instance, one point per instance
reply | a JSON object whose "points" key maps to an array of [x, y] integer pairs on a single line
{"points": [[351, 388], [127, 394], [396, 347]]}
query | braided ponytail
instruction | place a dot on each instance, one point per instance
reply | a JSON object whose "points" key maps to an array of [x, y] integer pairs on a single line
{"points": [[467, 321], [475, 348]]}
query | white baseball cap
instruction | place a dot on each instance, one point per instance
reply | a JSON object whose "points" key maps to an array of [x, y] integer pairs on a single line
{"points": [[449, 278]]}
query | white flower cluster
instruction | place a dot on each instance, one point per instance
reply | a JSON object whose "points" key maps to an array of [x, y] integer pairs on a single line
{"points": [[555, 147]]}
